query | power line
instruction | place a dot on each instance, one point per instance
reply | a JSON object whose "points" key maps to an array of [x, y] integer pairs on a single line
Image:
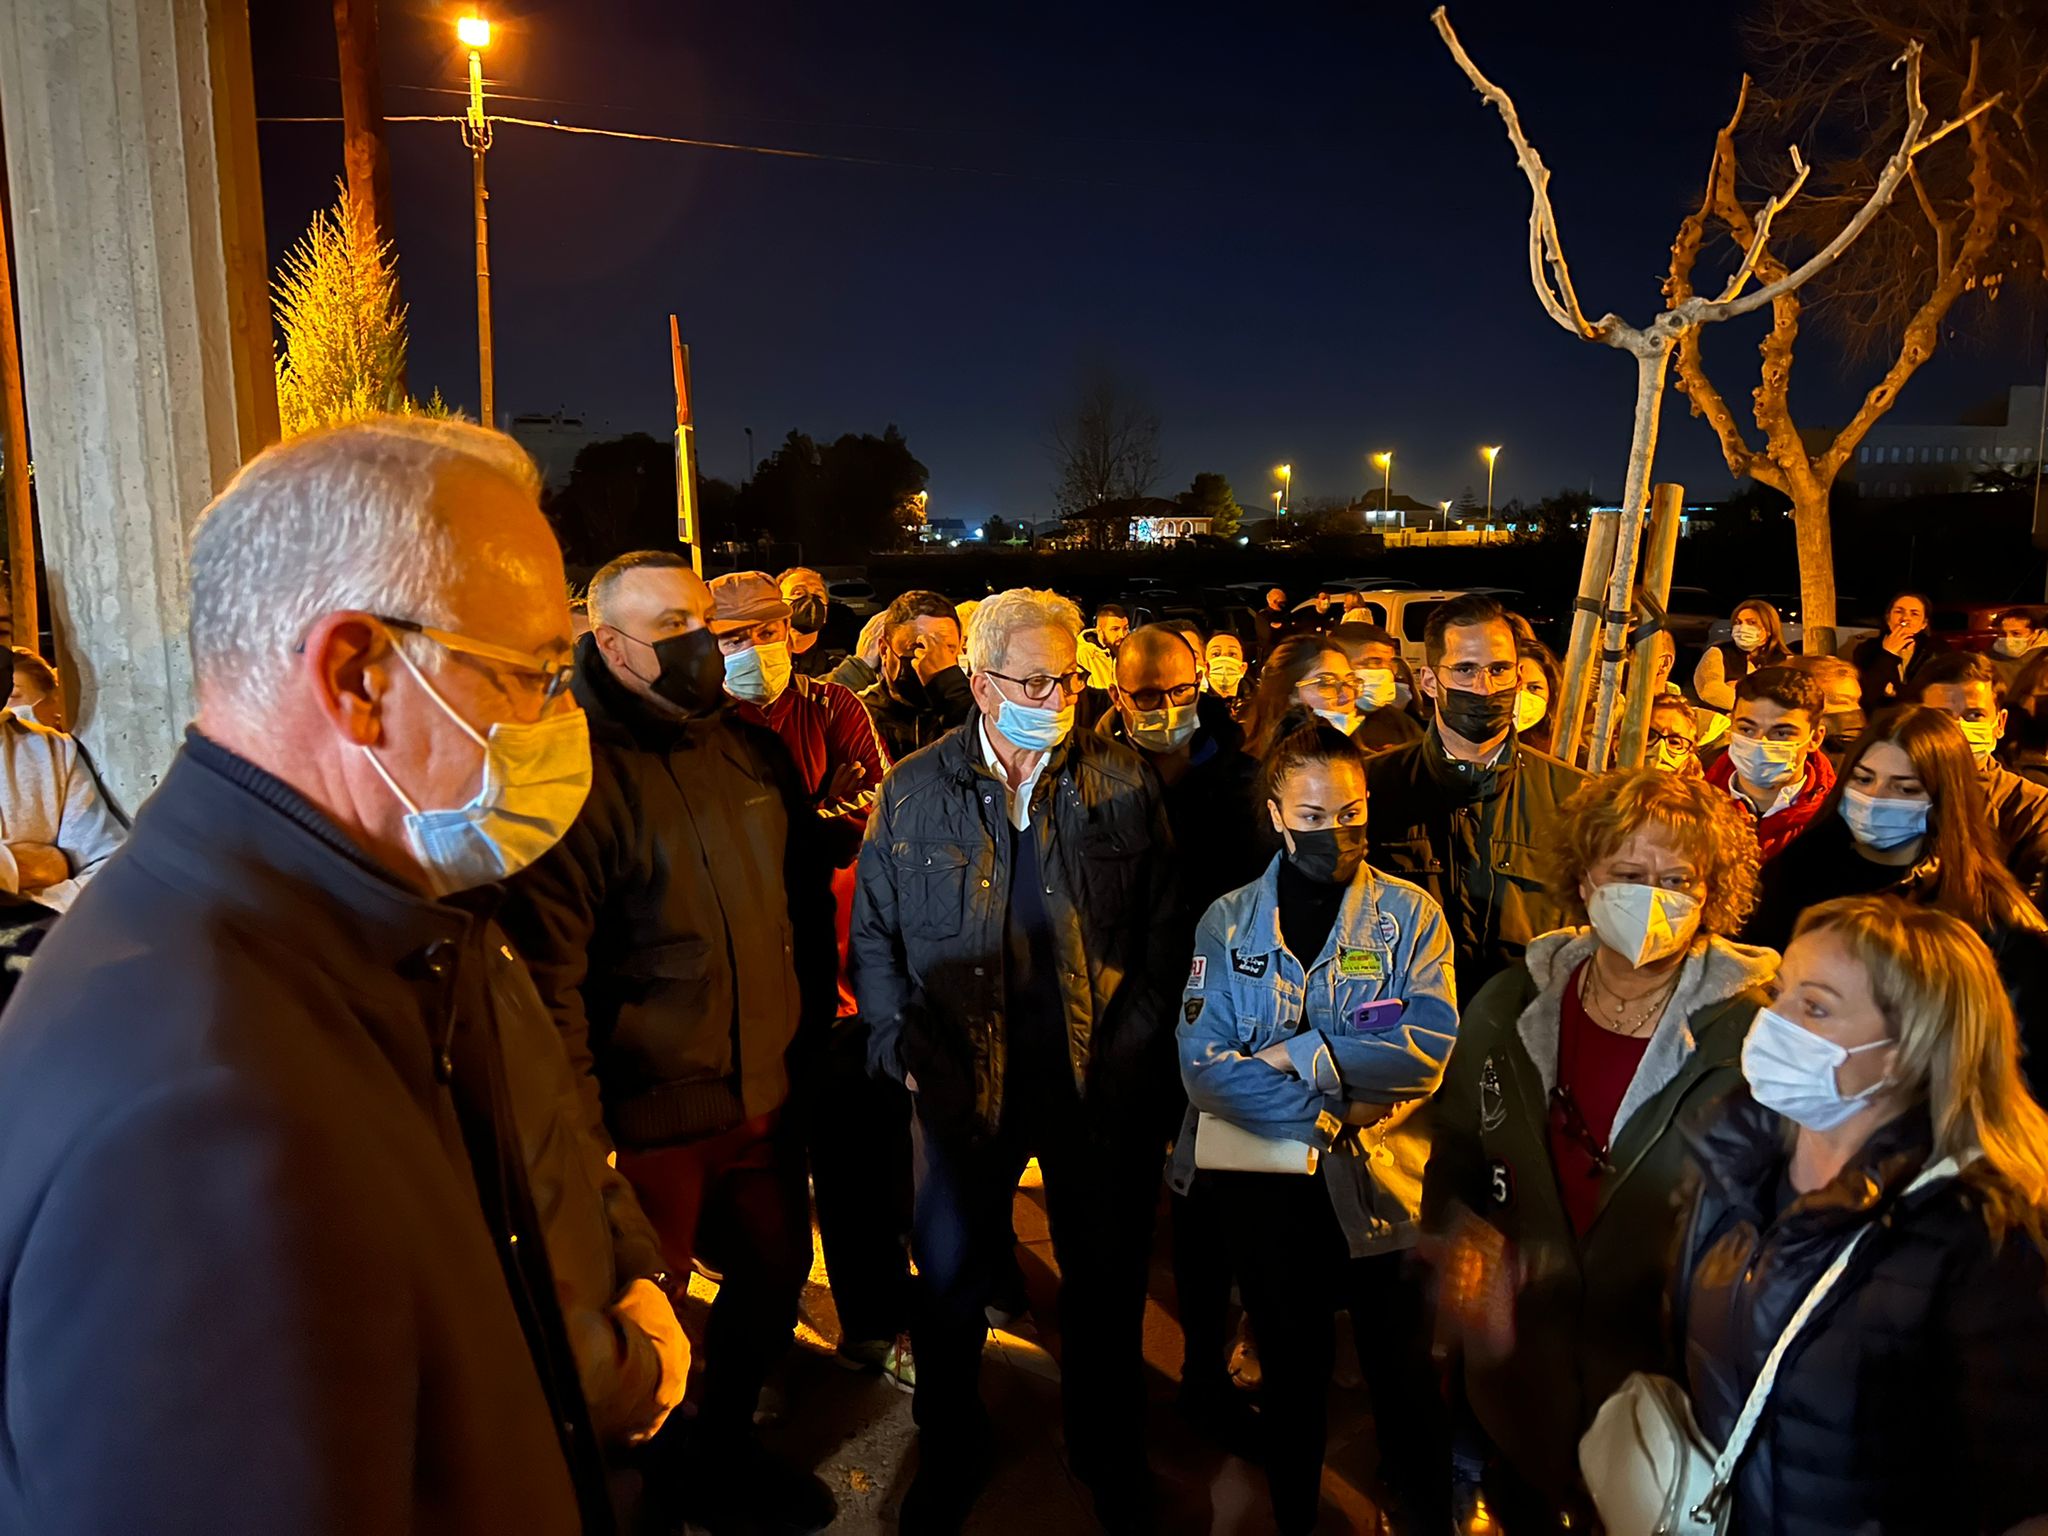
{"points": [[744, 149]]}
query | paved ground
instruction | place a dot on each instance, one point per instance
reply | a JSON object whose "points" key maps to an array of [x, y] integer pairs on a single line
{"points": [[856, 1429]]}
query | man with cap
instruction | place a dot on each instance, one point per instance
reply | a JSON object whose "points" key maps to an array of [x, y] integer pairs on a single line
{"points": [[681, 936], [862, 1124]]}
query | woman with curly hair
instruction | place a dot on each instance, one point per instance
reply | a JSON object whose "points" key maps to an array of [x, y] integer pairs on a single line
{"points": [[1557, 1155]]}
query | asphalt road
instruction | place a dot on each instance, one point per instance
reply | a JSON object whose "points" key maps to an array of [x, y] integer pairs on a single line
{"points": [[856, 1430]]}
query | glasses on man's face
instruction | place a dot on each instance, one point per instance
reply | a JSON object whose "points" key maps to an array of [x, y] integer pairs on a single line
{"points": [[1041, 686], [1149, 699], [1469, 674], [1338, 687], [555, 674], [1676, 741]]}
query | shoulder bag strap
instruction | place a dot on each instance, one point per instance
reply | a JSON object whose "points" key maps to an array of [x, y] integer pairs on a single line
{"points": [[1753, 1409]]}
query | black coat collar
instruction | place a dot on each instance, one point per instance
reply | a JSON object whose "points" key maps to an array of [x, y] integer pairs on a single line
{"points": [[1743, 1151]]}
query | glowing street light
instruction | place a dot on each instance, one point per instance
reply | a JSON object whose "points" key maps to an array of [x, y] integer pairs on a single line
{"points": [[1384, 459], [1286, 474], [474, 33], [1489, 454], [1446, 505]]}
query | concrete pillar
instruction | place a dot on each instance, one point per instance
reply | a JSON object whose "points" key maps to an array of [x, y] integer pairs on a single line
{"points": [[140, 274]]}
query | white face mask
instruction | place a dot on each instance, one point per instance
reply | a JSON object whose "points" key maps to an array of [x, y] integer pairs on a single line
{"points": [[1375, 689], [1643, 923], [1225, 673], [759, 673], [1530, 708], [2014, 645], [1346, 720], [1766, 764], [535, 780], [1982, 736], [1163, 730], [1747, 637], [1669, 759], [1792, 1070]]}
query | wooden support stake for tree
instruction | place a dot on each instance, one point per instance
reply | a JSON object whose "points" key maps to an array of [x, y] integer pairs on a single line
{"points": [[1667, 510], [21, 528], [1601, 528]]}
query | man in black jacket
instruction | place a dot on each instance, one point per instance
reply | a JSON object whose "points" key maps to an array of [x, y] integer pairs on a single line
{"points": [[1016, 951], [921, 692], [682, 937], [1209, 783], [296, 1229], [1466, 811], [1965, 686]]}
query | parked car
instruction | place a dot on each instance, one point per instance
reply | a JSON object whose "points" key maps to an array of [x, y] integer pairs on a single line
{"points": [[857, 595]]}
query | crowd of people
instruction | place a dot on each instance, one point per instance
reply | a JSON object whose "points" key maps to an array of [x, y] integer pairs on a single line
{"points": [[482, 967]]}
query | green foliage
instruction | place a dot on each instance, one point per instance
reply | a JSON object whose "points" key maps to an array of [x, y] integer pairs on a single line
{"points": [[842, 500], [1209, 495], [341, 325]]}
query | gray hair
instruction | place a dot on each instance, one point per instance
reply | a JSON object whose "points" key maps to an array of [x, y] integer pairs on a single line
{"points": [[1007, 614], [332, 519]]}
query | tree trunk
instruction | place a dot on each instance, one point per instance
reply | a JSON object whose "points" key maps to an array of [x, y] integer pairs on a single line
{"points": [[1814, 532], [1653, 362]]}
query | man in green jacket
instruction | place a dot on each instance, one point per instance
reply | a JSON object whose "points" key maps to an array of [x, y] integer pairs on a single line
{"points": [[1464, 811]]}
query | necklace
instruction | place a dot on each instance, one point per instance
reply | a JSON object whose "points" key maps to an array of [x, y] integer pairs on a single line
{"points": [[1629, 1016]]}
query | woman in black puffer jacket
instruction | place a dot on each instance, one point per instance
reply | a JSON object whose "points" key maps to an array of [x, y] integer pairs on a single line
{"points": [[1916, 1397]]}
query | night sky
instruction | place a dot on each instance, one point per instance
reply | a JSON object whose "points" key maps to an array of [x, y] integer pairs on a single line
{"points": [[1294, 225]]}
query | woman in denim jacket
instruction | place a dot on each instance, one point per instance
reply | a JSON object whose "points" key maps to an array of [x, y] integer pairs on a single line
{"points": [[1318, 1012]]}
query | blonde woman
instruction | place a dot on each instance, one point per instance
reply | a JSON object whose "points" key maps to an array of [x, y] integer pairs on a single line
{"points": [[1557, 1142], [1916, 1399]]}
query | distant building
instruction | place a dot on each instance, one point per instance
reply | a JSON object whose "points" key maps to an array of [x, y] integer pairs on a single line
{"points": [[554, 441], [1900, 459], [1134, 520]]}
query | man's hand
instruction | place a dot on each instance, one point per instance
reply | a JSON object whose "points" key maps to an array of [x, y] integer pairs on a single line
{"points": [[40, 866], [844, 784], [643, 1306], [1275, 1056], [933, 655]]}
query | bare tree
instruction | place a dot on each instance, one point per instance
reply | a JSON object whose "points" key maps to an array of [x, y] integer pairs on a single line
{"points": [[1106, 448], [1652, 347], [1976, 218]]}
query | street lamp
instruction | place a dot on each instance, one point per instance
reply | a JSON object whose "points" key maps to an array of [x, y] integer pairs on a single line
{"points": [[1286, 474], [1276, 505], [1446, 505], [1385, 460], [474, 33], [1489, 454]]}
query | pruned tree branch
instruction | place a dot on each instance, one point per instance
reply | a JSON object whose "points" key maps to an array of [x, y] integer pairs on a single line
{"points": [[1562, 301]]}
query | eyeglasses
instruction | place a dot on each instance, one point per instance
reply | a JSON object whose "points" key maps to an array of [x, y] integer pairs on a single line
{"points": [[1040, 686], [1467, 673], [555, 674], [1678, 741], [1332, 684], [1148, 699]]}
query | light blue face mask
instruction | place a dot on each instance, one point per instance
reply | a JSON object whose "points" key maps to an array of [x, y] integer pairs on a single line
{"points": [[1883, 824], [1032, 728], [759, 673]]}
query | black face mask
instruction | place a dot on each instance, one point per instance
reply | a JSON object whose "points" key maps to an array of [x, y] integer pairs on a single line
{"points": [[807, 615], [1841, 727], [1476, 716], [1331, 855], [692, 675]]}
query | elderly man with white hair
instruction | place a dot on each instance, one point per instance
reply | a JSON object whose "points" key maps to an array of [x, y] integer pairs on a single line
{"points": [[1016, 957], [299, 1228]]}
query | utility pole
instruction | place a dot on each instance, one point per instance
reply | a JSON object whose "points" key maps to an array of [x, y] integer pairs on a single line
{"points": [[363, 148], [475, 33], [687, 529]]}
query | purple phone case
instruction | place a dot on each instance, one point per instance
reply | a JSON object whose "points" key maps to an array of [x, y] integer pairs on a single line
{"points": [[1376, 1017]]}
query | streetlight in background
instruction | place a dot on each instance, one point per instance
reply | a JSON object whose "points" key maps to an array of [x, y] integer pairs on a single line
{"points": [[1276, 505], [1384, 459], [1489, 454], [474, 33], [1445, 504], [1286, 474]]}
